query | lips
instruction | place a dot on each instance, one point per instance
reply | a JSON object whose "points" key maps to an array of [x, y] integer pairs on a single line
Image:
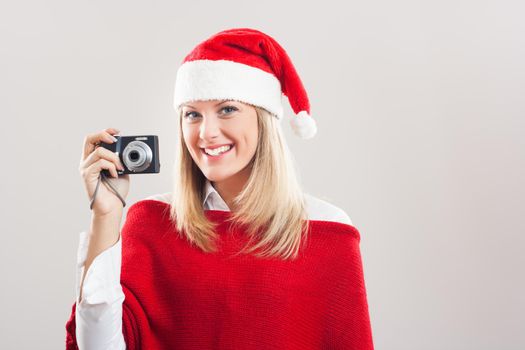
{"points": [[220, 155], [217, 146]]}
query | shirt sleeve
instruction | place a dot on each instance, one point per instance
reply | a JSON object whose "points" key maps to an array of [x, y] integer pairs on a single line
{"points": [[99, 314]]}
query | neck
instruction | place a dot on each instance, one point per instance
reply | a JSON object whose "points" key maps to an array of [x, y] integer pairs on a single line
{"points": [[231, 187]]}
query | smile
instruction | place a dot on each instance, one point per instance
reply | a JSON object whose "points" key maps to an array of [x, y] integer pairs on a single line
{"points": [[217, 155]]}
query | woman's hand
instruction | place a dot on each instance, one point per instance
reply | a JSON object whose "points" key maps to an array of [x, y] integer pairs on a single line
{"points": [[94, 159]]}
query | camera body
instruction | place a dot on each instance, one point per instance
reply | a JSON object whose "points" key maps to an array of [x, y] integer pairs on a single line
{"points": [[138, 154]]}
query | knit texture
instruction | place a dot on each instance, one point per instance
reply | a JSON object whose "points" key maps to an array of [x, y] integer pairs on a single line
{"points": [[178, 297]]}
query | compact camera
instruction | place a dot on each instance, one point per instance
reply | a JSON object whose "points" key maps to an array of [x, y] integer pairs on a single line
{"points": [[138, 154]]}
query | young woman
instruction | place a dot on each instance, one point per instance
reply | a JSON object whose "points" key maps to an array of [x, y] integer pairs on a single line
{"points": [[237, 256]]}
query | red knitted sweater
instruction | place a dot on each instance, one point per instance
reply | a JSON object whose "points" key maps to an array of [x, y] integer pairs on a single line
{"points": [[178, 297]]}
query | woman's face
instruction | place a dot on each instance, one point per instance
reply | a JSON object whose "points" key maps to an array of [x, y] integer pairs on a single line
{"points": [[209, 125]]}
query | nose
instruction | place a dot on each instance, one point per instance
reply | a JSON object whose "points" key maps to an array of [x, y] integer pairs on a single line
{"points": [[209, 128]]}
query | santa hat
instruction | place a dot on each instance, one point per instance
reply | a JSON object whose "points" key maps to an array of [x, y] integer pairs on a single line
{"points": [[246, 65]]}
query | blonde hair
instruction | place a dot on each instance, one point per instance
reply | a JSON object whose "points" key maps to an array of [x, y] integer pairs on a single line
{"points": [[271, 204]]}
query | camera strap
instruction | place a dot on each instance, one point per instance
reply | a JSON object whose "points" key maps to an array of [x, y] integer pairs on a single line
{"points": [[103, 177]]}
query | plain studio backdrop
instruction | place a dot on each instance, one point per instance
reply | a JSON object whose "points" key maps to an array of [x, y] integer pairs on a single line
{"points": [[420, 110]]}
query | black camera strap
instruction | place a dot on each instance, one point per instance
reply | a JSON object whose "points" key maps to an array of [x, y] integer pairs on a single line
{"points": [[103, 177]]}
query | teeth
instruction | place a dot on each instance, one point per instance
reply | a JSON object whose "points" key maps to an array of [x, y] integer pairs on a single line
{"points": [[217, 151]]}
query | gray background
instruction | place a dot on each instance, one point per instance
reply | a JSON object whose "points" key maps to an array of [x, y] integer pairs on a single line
{"points": [[420, 108]]}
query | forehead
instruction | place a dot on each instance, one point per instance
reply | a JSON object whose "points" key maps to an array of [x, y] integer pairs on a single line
{"points": [[205, 104]]}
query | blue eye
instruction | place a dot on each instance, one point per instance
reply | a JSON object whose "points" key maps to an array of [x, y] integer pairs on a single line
{"points": [[188, 114], [230, 107]]}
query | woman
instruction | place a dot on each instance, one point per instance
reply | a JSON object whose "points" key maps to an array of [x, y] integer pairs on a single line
{"points": [[238, 257]]}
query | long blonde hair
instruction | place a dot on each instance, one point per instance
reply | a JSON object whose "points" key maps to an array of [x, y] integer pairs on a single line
{"points": [[271, 205]]}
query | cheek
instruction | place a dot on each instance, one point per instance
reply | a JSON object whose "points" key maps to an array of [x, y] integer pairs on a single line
{"points": [[254, 133], [184, 132], [189, 139], [250, 142], [254, 141], [188, 132]]}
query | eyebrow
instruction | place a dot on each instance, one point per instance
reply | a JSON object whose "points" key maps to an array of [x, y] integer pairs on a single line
{"points": [[218, 104]]}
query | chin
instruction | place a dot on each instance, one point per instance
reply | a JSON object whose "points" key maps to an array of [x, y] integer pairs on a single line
{"points": [[218, 176]]}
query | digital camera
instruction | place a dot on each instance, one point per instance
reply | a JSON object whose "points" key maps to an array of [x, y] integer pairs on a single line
{"points": [[138, 154]]}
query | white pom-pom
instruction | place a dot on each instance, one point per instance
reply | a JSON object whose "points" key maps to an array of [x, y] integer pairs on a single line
{"points": [[303, 125]]}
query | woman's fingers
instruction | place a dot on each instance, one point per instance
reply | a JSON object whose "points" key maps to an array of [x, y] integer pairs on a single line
{"points": [[101, 164], [91, 141], [102, 153], [94, 159]]}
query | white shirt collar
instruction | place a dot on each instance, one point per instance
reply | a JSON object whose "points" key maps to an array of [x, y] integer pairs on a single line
{"points": [[317, 209], [212, 199]]}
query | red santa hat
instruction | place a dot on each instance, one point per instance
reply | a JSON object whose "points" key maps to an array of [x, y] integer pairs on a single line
{"points": [[246, 65]]}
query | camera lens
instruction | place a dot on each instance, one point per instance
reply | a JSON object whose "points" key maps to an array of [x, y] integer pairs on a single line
{"points": [[137, 156], [134, 155]]}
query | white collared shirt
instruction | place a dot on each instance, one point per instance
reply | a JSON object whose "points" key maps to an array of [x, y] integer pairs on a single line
{"points": [[212, 199], [99, 315]]}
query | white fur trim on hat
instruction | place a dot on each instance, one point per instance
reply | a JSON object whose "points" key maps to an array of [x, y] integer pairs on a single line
{"points": [[223, 79], [303, 125]]}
